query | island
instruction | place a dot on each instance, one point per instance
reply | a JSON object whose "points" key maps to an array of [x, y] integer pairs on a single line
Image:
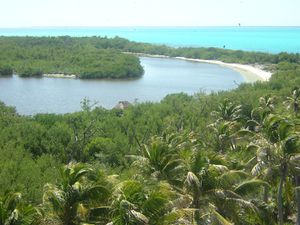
{"points": [[66, 57]]}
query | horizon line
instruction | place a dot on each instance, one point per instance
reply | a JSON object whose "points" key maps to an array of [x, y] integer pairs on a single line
{"points": [[150, 26]]}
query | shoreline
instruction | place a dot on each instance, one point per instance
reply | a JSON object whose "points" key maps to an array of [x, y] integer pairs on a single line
{"points": [[250, 72], [60, 75]]}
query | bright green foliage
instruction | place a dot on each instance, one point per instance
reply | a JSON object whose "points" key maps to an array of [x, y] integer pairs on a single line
{"points": [[103, 149], [20, 173], [35, 56]]}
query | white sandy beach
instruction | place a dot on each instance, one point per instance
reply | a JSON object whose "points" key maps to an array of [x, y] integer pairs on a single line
{"points": [[250, 72]]}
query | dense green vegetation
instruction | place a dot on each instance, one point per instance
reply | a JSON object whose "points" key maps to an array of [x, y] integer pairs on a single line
{"points": [[34, 56], [225, 158]]}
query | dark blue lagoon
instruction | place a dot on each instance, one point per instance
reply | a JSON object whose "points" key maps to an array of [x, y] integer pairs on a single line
{"points": [[162, 77]]}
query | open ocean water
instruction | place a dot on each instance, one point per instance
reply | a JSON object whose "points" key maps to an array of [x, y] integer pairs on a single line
{"points": [[264, 39]]}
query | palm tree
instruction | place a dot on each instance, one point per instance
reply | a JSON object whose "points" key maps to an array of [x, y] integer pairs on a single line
{"points": [[223, 135], [13, 212], [78, 194], [127, 199], [295, 161], [278, 144], [267, 104], [266, 107], [160, 159], [134, 202], [286, 143], [227, 111], [221, 201], [228, 117], [292, 102], [215, 189]]}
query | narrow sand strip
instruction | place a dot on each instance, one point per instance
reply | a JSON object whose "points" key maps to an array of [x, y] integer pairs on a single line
{"points": [[59, 75], [250, 72]]}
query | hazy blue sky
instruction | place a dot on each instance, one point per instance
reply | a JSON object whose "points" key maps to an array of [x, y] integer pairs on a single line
{"points": [[20, 13]]}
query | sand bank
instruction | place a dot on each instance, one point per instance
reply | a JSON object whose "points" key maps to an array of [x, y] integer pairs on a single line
{"points": [[250, 72], [59, 75]]}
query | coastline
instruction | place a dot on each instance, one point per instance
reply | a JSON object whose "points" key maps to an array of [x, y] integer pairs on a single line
{"points": [[250, 72], [60, 75]]}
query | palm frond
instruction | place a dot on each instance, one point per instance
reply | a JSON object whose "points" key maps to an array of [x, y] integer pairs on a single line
{"points": [[177, 215], [232, 177], [257, 169], [193, 182], [218, 217], [250, 186], [97, 192], [139, 217]]}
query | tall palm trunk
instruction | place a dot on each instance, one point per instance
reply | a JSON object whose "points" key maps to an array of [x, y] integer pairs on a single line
{"points": [[298, 199], [283, 168], [196, 205], [266, 193], [296, 108]]}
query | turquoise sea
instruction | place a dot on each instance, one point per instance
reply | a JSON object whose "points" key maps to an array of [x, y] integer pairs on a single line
{"points": [[265, 39]]}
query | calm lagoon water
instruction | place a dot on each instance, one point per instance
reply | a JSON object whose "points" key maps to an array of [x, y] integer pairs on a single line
{"points": [[162, 77], [266, 39]]}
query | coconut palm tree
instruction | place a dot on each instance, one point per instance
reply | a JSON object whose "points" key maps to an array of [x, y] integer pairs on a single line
{"points": [[223, 134], [267, 104], [214, 189], [266, 107], [228, 117], [286, 143], [295, 161], [78, 194], [134, 202], [221, 201], [292, 102], [13, 212], [160, 159], [227, 111], [278, 146]]}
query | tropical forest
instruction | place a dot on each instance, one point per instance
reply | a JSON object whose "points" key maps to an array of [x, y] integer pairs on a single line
{"points": [[221, 158]]}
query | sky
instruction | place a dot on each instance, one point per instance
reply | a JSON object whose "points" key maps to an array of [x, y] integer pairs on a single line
{"points": [[42, 13]]}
